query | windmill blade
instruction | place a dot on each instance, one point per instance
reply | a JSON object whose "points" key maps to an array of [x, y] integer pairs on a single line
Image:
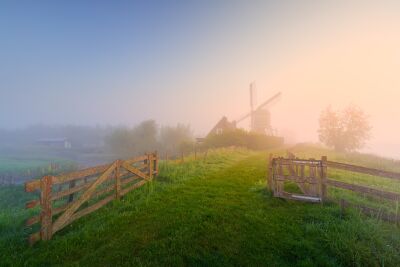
{"points": [[243, 117], [269, 101]]}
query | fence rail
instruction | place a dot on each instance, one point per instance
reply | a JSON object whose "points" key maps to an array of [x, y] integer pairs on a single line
{"points": [[67, 197], [311, 173]]}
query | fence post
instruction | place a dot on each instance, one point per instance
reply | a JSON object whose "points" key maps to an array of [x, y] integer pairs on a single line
{"points": [[118, 179], [270, 174], [150, 165], [156, 163], [46, 230], [324, 170]]}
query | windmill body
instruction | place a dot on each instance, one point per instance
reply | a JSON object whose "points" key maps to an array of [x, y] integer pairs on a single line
{"points": [[260, 117]]}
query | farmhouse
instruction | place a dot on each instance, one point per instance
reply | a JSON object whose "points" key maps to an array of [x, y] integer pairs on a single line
{"points": [[222, 126]]}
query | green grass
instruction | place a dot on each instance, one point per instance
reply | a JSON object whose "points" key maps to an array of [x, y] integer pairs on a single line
{"points": [[216, 212]]}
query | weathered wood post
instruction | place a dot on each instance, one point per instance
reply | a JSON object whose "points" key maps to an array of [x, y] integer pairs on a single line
{"points": [[156, 159], [150, 165], [46, 230], [270, 172], [118, 179], [279, 184], [324, 170]]}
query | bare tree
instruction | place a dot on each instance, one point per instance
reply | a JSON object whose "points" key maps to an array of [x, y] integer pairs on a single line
{"points": [[346, 130]]}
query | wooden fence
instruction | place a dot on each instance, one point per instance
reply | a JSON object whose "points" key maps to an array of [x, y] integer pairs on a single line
{"points": [[311, 176], [67, 197]]}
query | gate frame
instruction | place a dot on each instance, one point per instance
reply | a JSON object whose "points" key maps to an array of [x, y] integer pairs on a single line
{"points": [[313, 186]]}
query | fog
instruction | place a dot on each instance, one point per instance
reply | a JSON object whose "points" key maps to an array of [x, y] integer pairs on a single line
{"points": [[102, 64]]}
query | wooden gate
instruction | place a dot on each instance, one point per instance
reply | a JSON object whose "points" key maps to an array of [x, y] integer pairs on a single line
{"points": [[68, 197], [309, 175]]}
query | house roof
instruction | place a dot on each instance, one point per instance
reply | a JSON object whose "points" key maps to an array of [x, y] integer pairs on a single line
{"points": [[224, 124]]}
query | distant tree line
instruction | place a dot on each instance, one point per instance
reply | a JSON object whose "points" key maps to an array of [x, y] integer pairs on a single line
{"points": [[148, 136]]}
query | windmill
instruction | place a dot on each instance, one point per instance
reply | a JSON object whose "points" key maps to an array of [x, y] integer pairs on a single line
{"points": [[260, 117]]}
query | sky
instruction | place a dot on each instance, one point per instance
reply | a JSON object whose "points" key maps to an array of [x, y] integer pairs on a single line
{"points": [[121, 62]]}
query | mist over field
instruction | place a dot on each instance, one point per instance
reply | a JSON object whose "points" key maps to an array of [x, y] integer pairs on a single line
{"points": [[192, 63]]}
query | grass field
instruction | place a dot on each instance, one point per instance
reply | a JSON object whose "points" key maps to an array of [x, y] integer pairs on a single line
{"points": [[25, 168], [216, 212]]}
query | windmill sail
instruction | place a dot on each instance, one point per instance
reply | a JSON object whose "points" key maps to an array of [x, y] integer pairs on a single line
{"points": [[263, 105]]}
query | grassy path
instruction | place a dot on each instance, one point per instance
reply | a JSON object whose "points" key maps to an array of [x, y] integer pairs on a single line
{"points": [[223, 217]]}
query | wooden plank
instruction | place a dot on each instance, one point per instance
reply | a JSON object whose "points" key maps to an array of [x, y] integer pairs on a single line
{"points": [[300, 197], [80, 174], [103, 191], [360, 169], [33, 238], [70, 191], [306, 198], [309, 180], [33, 220], [130, 188], [90, 209], [129, 180], [61, 208], [32, 185], [63, 219], [308, 162], [135, 171], [137, 159], [141, 168], [364, 189], [31, 204]]}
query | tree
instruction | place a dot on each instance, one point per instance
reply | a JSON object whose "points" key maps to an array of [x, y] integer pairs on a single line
{"points": [[176, 139], [346, 130], [128, 142]]}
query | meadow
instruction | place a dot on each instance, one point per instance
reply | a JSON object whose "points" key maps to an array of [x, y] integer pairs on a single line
{"points": [[15, 170], [212, 212]]}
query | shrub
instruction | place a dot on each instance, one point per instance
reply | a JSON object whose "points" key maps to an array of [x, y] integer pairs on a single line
{"points": [[242, 138]]}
